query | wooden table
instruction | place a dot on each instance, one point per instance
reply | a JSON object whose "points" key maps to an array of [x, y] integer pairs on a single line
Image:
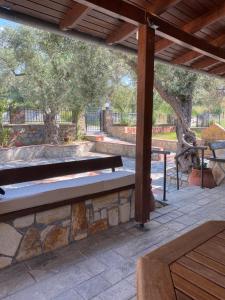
{"points": [[190, 267]]}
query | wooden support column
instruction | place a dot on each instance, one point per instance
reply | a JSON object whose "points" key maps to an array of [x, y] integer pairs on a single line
{"points": [[144, 199]]}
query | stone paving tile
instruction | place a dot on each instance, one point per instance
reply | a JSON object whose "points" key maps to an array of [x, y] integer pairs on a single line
{"points": [[69, 295], [115, 274], [103, 266], [92, 287], [122, 291], [14, 279]]}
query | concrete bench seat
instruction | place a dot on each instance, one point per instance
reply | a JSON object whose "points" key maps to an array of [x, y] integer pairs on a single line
{"points": [[37, 194]]}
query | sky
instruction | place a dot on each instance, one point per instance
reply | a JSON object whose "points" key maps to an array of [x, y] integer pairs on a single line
{"points": [[7, 23]]}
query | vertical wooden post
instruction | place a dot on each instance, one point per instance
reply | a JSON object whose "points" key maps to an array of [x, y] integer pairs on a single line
{"points": [[143, 193]]}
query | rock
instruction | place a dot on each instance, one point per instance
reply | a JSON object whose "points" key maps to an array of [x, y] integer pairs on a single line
{"points": [[124, 212], [9, 240], [30, 246], [79, 221], [24, 221], [218, 173], [98, 226], [53, 215], [105, 201], [97, 216], [113, 216], [55, 238], [5, 262], [104, 213]]}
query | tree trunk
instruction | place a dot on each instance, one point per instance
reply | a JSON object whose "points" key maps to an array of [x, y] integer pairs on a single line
{"points": [[183, 110], [51, 128]]}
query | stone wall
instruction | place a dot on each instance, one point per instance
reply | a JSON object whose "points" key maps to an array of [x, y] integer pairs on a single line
{"points": [[44, 151], [128, 134], [38, 233], [33, 134]]}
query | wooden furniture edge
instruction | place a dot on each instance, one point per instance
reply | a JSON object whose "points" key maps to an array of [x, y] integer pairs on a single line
{"points": [[154, 280], [173, 250], [36, 209]]}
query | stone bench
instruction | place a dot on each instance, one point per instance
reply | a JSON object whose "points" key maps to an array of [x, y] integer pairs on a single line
{"points": [[38, 217]]}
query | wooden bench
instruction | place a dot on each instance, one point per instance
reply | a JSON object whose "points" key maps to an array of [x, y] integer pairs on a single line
{"points": [[192, 267], [43, 195]]}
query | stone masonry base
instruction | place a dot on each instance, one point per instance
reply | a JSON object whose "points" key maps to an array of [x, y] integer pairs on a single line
{"points": [[32, 235]]}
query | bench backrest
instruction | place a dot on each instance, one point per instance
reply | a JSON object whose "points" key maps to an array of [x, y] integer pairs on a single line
{"points": [[44, 171], [213, 146]]}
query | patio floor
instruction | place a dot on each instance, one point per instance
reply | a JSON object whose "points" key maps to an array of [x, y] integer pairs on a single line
{"points": [[103, 266]]}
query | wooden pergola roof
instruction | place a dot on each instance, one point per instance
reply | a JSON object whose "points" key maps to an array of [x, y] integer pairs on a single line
{"points": [[185, 32], [113, 24]]}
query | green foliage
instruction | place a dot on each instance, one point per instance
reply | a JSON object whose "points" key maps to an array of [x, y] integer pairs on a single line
{"points": [[178, 82], [208, 95], [4, 136]]}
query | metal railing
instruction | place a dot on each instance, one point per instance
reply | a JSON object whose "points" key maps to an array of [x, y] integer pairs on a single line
{"points": [[191, 147], [164, 153]]}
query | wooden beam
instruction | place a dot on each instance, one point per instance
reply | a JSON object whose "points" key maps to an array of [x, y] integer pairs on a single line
{"points": [[190, 55], [184, 39], [73, 15], [143, 193], [195, 25], [118, 9], [133, 14], [121, 34], [126, 30], [204, 63]]}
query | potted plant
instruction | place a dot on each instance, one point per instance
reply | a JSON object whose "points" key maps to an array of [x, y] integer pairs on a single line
{"points": [[195, 177], [199, 168]]}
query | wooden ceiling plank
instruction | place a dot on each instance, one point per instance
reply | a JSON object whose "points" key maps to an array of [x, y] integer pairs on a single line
{"points": [[195, 25], [190, 55], [218, 70], [127, 29], [130, 13], [184, 39], [73, 16]]}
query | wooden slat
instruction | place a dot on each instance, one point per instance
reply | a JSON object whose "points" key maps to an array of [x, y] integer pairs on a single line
{"points": [[193, 291], [73, 16], [143, 193], [182, 296], [203, 271], [216, 253], [197, 280], [31, 173], [212, 264]]}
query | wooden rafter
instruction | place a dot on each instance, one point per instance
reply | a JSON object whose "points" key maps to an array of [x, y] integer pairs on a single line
{"points": [[73, 15], [195, 25], [127, 29], [191, 55], [134, 15]]}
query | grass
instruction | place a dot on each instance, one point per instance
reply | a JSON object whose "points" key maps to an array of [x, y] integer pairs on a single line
{"points": [[171, 136]]}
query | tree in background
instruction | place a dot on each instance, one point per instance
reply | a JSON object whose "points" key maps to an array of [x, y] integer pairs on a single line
{"points": [[56, 72], [176, 87]]}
